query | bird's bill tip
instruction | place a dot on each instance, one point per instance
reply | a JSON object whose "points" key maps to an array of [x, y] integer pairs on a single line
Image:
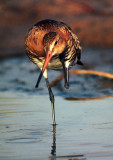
{"points": [[48, 58]]}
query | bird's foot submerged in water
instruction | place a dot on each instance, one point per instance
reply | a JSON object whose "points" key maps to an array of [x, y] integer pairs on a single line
{"points": [[51, 96]]}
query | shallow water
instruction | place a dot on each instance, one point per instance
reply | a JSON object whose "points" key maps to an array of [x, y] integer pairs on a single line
{"points": [[84, 129], [19, 75]]}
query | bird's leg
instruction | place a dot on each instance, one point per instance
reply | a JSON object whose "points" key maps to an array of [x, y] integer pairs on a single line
{"points": [[51, 96], [66, 75], [66, 71], [66, 78]]}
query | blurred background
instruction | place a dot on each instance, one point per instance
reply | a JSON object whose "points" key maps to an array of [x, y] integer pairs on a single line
{"points": [[91, 20]]}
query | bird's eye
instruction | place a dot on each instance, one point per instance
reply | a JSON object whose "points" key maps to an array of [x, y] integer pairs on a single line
{"points": [[56, 43]]}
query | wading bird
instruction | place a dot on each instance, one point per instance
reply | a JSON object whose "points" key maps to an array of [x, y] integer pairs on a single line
{"points": [[52, 44]]}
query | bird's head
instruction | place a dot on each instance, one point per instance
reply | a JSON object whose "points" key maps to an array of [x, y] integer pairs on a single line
{"points": [[54, 44]]}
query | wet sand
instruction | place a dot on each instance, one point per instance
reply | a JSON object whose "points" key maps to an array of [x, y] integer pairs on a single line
{"points": [[84, 129]]}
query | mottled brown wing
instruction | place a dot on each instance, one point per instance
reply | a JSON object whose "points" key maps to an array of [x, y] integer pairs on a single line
{"points": [[34, 41]]}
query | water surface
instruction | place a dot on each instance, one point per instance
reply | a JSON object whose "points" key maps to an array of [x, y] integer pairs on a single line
{"points": [[84, 129]]}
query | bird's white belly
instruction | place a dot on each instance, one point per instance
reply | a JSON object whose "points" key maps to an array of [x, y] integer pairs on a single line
{"points": [[54, 64]]}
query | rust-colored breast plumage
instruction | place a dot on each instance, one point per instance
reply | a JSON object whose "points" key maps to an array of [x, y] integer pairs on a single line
{"points": [[34, 38]]}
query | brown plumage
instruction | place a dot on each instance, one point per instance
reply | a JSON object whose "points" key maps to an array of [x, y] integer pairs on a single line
{"points": [[52, 44]]}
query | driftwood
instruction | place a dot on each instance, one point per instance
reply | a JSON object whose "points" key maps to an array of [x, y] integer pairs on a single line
{"points": [[97, 73], [86, 98], [91, 72]]}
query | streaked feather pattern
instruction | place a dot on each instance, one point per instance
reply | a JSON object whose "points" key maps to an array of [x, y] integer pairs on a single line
{"points": [[35, 49]]}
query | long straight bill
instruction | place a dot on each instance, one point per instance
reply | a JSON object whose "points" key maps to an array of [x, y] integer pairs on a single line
{"points": [[39, 78], [48, 58]]}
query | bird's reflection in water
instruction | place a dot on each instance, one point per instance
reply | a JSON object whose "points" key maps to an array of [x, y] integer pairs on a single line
{"points": [[53, 150], [53, 147]]}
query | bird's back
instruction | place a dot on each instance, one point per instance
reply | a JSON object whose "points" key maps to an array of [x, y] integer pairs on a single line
{"points": [[34, 37]]}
